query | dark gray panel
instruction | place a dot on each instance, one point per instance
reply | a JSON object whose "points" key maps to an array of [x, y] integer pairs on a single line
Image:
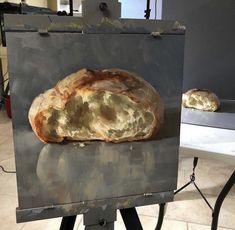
{"points": [[209, 46], [50, 175], [223, 118]]}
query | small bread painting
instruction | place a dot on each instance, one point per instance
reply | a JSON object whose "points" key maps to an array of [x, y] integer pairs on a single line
{"points": [[111, 105], [201, 99]]}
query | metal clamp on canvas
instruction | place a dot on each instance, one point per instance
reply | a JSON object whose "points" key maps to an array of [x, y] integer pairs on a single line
{"points": [[96, 113]]}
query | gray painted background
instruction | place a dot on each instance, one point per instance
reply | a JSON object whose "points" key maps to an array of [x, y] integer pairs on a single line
{"points": [[56, 174], [210, 43]]}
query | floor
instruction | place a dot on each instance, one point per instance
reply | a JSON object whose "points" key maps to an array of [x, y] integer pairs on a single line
{"points": [[187, 212]]}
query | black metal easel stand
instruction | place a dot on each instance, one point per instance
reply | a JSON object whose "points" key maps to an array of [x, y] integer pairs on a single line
{"points": [[192, 181], [220, 199], [131, 219], [129, 216], [68, 223], [132, 222]]}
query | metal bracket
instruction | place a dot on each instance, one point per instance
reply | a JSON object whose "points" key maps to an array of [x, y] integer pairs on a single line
{"points": [[43, 31], [192, 181], [100, 218], [95, 10], [156, 34]]}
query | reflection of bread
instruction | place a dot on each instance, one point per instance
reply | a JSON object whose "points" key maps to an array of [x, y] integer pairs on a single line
{"points": [[201, 99], [111, 105]]}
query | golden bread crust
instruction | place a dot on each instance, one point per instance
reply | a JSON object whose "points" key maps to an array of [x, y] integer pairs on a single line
{"points": [[201, 99], [48, 124]]}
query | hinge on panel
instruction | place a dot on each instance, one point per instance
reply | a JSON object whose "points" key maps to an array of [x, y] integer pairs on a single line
{"points": [[156, 34], [43, 31], [178, 26], [148, 194]]}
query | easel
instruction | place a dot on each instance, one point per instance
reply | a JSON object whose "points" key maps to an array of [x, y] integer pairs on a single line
{"points": [[98, 219]]}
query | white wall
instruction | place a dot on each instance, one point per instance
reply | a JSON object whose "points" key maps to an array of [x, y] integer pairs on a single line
{"points": [[136, 8], [3, 62], [130, 8]]}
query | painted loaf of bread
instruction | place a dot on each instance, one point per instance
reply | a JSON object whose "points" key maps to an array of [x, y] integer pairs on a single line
{"points": [[112, 105]]}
